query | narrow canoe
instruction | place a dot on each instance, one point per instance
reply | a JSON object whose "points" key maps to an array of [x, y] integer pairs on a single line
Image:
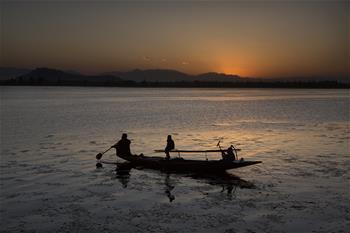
{"points": [[181, 165], [193, 151]]}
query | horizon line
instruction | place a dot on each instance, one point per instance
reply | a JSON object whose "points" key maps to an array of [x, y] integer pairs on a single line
{"points": [[342, 76]]}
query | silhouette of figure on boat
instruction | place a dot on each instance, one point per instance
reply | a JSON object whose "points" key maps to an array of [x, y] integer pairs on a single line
{"points": [[230, 154], [123, 146], [170, 145]]}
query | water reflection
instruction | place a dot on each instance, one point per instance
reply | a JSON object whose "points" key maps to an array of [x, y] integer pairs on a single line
{"points": [[123, 173], [228, 182], [169, 186]]}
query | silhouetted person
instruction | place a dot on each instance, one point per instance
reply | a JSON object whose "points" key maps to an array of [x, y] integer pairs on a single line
{"points": [[170, 145], [229, 155], [123, 146]]}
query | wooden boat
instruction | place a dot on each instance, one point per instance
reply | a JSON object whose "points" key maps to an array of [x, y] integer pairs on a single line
{"points": [[194, 151], [184, 165]]}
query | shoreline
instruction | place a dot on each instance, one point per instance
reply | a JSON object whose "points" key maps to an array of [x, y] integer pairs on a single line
{"points": [[246, 85]]}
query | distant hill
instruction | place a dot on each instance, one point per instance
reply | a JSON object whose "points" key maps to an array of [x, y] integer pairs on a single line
{"points": [[7, 73], [48, 76], [156, 75], [59, 77], [217, 77], [161, 78], [163, 75]]}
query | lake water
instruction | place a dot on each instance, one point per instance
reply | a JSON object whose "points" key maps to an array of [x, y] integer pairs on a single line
{"points": [[50, 136]]}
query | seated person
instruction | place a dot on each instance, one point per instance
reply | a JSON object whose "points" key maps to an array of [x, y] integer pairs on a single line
{"points": [[170, 145], [123, 146], [229, 155]]}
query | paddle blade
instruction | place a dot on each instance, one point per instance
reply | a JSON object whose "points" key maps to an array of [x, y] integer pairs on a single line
{"points": [[99, 165], [98, 156]]}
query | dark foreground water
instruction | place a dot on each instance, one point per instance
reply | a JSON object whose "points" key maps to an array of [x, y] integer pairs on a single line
{"points": [[50, 136]]}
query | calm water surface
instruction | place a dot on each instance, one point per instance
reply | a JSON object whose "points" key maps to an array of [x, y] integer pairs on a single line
{"points": [[50, 135]]}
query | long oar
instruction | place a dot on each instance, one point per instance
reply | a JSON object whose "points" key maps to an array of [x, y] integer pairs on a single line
{"points": [[99, 155]]}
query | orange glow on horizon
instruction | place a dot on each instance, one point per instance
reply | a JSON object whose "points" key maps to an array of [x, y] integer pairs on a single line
{"points": [[226, 65], [230, 70]]}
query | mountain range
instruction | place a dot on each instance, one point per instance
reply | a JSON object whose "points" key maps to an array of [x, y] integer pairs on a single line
{"points": [[7, 73], [47, 75], [58, 77], [137, 76], [164, 75]]}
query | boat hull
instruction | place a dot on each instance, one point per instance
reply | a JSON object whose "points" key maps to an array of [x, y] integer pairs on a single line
{"points": [[180, 165]]}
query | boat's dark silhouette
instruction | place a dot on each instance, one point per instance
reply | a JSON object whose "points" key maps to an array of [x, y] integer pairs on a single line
{"points": [[184, 165]]}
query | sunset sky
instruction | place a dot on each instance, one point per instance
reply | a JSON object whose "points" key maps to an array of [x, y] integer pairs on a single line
{"points": [[251, 38]]}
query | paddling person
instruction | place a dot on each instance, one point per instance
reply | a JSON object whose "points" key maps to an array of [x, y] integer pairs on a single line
{"points": [[170, 145], [123, 146]]}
